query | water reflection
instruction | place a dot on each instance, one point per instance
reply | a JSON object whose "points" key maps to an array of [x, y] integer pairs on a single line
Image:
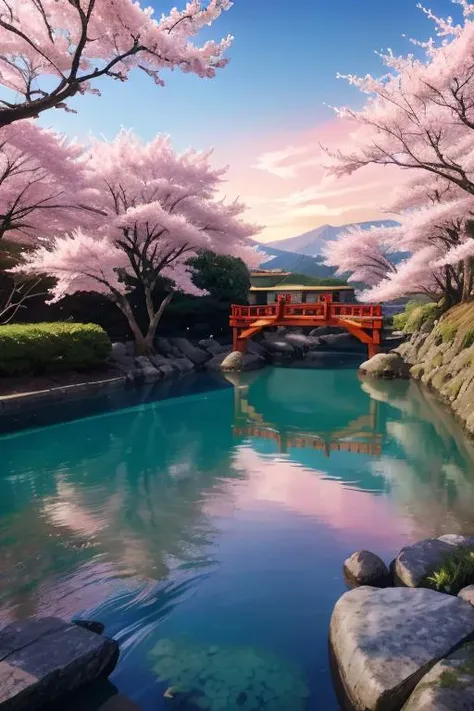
{"points": [[223, 517]]}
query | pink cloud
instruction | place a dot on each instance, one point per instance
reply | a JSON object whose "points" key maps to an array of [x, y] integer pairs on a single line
{"points": [[281, 177]]}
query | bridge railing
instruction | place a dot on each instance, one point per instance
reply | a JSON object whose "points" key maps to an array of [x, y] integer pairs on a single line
{"points": [[318, 309]]}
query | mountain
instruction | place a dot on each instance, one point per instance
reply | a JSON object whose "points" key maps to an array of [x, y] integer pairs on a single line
{"points": [[293, 262], [311, 243]]}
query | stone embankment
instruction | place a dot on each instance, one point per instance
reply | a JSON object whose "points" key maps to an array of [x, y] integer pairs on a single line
{"points": [[178, 356], [441, 356], [397, 645]]}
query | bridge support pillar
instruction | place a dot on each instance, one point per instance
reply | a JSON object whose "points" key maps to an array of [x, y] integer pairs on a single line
{"points": [[238, 344]]}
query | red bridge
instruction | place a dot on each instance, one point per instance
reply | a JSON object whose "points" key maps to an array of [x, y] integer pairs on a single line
{"points": [[364, 321]]}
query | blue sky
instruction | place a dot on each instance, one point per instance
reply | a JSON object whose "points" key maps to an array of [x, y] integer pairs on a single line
{"points": [[283, 70]]}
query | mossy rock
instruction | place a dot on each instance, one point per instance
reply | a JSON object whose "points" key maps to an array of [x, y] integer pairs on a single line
{"points": [[449, 684], [385, 365]]}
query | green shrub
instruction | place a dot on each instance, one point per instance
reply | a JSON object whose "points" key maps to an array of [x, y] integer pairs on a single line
{"points": [[448, 331], [415, 315], [41, 347], [455, 572]]}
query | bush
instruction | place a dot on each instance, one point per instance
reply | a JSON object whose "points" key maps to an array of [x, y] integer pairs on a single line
{"points": [[455, 572], [415, 315], [37, 348]]}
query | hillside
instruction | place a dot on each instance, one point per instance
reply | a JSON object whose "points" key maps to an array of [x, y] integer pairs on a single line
{"points": [[293, 262], [311, 243]]}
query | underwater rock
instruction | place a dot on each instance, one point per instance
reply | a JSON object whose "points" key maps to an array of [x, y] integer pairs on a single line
{"points": [[227, 678]]}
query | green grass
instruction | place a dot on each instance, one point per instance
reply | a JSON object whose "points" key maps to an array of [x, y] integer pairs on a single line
{"points": [[468, 338], [448, 331], [455, 572]]}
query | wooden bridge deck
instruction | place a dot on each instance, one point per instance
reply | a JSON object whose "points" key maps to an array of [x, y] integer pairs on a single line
{"points": [[364, 321]]}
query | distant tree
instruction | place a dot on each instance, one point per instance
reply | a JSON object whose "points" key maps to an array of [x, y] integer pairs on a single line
{"points": [[224, 277], [52, 50], [155, 210]]}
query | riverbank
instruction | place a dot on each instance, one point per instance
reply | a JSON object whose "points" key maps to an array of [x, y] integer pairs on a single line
{"points": [[442, 358]]}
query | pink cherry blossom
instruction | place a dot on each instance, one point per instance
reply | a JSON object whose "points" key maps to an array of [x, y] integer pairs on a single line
{"points": [[153, 210], [51, 50]]}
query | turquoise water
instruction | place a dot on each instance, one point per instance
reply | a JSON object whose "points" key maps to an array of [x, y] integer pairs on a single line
{"points": [[207, 531]]}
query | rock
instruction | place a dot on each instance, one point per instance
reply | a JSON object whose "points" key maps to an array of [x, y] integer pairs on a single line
{"points": [[340, 341], [119, 351], [467, 594], [212, 346], [256, 348], [45, 658], [233, 361], [366, 568], [274, 345], [91, 625], [251, 361], [193, 353], [183, 365], [326, 331], [384, 641], [449, 686], [300, 341], [158, 360], [385, 365], [163, 346], [147, 371], [167, 371], [415, 562]]}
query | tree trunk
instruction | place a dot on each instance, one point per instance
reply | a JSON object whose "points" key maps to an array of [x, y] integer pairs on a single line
{"points": [[140, 340], [467, 279], [154, 322]]}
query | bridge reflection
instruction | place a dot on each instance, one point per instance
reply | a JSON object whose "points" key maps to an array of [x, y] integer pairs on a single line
{"points": [[361, 436]]}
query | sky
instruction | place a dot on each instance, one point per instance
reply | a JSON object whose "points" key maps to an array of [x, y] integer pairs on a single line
{"points": [[268, 112]]}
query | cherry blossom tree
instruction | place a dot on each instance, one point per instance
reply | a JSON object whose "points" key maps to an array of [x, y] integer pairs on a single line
{"points": [[51, 50], [157, 210], [420, 117], [42, 184]]}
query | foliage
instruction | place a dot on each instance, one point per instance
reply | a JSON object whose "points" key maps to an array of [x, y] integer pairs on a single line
{"points": [[416, 314], [468, 338], [154, 210], [52, 50], [418, 116], [36, 348], [455, 572], [225, 278]]}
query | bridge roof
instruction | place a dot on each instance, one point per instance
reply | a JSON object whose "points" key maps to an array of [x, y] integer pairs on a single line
{"points": [[301, 287]]}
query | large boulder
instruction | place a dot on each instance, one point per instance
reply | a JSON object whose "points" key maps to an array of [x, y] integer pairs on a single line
{"points": [[43, 659], [278, 346], [417, 561], [255, 348], [366, 568], [119, 351], [385, 365], [448, 686], [196, 355], [235, 362], [340, 342], [385, 639]]}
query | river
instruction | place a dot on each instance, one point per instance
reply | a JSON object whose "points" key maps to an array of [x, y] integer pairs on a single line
{"points": [[207, 530]]}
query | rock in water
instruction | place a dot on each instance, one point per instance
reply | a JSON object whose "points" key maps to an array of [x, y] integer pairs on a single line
{"points": [[44, 658], [385, 640], [449, 686], [415, 562], [366, 568], [385, 365], [233, 361]]}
